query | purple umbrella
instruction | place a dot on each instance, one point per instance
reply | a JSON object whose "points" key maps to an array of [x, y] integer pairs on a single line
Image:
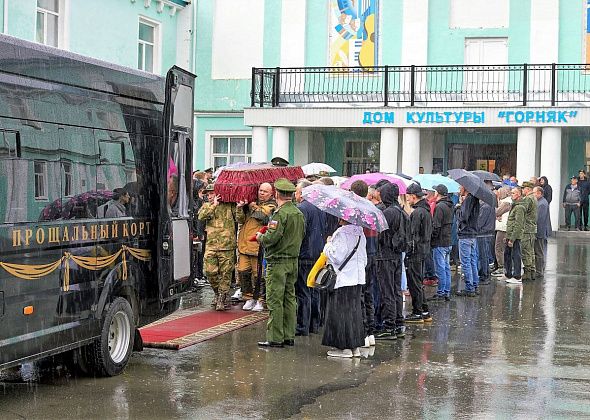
{"points": [[345, 205], [373, 178]]}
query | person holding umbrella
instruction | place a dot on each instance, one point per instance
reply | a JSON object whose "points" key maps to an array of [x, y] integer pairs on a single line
{"points": [[346, 253], [467, 217], [418, 249]]}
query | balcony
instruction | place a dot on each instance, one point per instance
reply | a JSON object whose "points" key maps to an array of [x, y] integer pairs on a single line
{"points": [[435, 85]]}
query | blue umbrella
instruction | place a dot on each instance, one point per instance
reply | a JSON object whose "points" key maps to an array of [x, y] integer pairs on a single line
{"points": [[429, 181]]}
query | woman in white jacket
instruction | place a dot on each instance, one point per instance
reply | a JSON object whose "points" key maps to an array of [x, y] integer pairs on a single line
{"points": [[344, 328]]}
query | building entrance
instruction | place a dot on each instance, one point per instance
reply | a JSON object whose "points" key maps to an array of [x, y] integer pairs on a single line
{"points": [[497, 158]]}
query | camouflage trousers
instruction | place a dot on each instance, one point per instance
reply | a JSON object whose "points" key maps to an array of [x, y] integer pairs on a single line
{"points": [[248, 275], [527, 246], [219, 266]]}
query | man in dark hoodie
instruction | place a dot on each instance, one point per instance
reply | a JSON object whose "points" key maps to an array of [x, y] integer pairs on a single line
{"points": [[418, 248], [547, 190], [467, 217], [389, 265], [442, 223]]}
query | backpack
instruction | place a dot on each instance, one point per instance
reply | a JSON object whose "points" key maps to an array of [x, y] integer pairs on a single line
{"points": [[403, 237]]}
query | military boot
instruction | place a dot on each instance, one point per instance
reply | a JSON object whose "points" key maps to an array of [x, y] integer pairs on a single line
{"points": [[215, 298], [220, 305]]}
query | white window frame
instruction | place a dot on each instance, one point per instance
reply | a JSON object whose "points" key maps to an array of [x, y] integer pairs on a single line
{"points": [[63, 33], [68, 175], [43, 175], [157, 43], [210, 135]]}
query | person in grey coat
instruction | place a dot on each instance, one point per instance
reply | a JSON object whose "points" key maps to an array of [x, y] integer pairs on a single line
{"points": [[543, 230]]}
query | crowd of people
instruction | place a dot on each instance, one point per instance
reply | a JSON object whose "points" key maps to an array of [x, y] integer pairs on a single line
{"points": [[278, 238]]}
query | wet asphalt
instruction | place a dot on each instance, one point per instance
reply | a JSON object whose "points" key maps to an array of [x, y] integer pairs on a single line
{"points": [[512, 352]]}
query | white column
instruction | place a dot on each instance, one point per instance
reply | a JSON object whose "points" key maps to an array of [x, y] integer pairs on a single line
{"points": [[280, 142], [551, 168], [426, 150], [259, 144], [388, 150], [301, 147], [411, 151], [526, 152]]}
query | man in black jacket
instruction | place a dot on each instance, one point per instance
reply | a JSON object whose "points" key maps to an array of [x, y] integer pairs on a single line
{"points": [[467, 231], [486, 226], [389, 265], [584, 186], [418, 248], [442, 223]]}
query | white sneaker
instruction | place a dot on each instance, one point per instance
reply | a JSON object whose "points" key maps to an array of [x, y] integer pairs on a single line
{"points": [[237, 294], [356, 352], [367, 345], [504, 278], [371, 340], [259, 307], [347, 353], [249, 305], [514, 281]]}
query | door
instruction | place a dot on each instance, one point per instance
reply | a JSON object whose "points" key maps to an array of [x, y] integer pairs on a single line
{"points": [[175, 253], [484, 81]]}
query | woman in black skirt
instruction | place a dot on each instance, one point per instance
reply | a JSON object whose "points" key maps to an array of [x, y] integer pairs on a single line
{"points": [[344, 328]]}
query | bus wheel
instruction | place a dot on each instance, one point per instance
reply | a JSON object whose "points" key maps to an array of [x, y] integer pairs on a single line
{"points": [[112, 350]]}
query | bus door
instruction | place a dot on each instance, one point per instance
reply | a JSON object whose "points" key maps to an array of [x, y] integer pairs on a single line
{"points": [[174, 250]]}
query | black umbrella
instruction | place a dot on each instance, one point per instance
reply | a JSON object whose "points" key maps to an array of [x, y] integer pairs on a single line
{"points": [[474, 185], [486, 176]]}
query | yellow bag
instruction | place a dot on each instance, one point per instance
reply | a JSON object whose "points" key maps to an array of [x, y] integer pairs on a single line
{"points": [[319, 264]]}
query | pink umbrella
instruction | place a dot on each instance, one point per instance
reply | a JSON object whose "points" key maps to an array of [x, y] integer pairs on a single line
{"points": [[373, 178]]}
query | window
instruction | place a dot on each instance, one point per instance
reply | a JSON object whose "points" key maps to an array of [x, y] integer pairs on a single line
{"points": [[48, 29], [361, 156], [228, 150], [40, 180], [148, 46], [485, 84], [9, 144], [67, 180]]}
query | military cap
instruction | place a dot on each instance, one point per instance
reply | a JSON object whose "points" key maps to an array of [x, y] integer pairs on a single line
{"points": [[279, 161], [284, 185], [209, 188], [527, 184]]}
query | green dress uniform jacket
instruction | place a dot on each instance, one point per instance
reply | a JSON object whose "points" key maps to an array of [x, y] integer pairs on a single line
{"points": [[285, 233], [527, 244]]}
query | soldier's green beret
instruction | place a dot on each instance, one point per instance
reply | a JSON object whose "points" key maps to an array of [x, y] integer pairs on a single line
{"points": [[284, 185], [209, 188], [528, 184]]}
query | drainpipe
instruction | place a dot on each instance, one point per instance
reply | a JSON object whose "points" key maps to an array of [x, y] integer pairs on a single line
{"points": [[5, 23]]}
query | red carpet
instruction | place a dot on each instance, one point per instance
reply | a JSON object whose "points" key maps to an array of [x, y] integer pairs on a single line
{"points": [[185, 328]]}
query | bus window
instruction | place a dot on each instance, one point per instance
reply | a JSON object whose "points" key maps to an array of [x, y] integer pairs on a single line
{"points": [[177, 195], [183, 107]]}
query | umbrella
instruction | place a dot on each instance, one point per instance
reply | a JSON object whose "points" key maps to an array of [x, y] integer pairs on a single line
{"points": [[474, 185], [373, 178], [403, 175], [345, 205], [429, 181], [486, 176], [316, 168], [406, 181]]}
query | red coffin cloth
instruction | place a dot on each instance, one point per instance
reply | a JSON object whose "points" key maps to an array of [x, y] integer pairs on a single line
{"points": [[235, 185]]}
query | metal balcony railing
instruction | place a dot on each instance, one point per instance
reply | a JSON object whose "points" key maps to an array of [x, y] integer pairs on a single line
{"points": [[422, 85]]}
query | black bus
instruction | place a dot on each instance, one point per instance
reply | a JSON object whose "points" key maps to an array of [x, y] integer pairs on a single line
{"points": [[95, 193]]}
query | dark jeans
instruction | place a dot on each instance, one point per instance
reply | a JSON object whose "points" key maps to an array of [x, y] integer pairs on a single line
{"points": [[389, 275], [308, 301], [569, 210], [513, 260], [483, 252], [583, 215], [367, 302], [415, 273]]}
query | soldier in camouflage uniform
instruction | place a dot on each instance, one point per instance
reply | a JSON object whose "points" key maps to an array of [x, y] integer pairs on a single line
{"points": [[527, 244], [281, 243], [220, 248], [252, 217]]}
